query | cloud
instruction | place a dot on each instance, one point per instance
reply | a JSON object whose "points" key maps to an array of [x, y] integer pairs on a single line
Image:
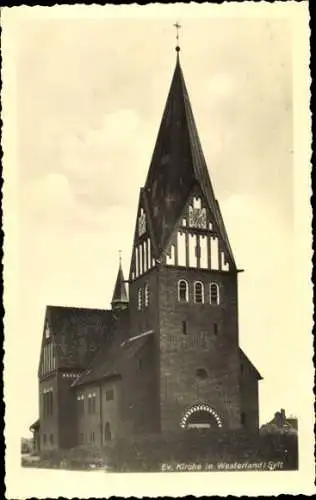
{"points": [[47, 199]]}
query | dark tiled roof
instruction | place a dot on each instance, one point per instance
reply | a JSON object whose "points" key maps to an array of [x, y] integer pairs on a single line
{"points": [[177, 165], [120, 294], [35, 425], [247, 361], [114, 355], [78, 333]]}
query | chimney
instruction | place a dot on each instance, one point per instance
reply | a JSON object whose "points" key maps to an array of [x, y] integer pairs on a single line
{"points": [[283, 417]]}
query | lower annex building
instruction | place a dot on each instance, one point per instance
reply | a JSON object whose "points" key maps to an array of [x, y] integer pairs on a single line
{"points": [[166, 356]]}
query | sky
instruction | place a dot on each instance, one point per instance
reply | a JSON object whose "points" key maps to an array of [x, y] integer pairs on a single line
{"points": [[90, 93]]}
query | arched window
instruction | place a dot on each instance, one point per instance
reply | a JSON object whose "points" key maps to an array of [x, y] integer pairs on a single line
{"points": [[198, 292], [214, 293], [107, 432], [139, 299], [147, 295], [183, 291]]}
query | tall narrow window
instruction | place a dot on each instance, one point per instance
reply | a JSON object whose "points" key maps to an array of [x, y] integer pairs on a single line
{"points": [[107, 432], [183, 291], [198, 292], [184, 328], [80, 401], [51, 403], [91, 403], [214, 293], [140, 299], [215, 326], [44, 404], [243, 418], [147, 295]]}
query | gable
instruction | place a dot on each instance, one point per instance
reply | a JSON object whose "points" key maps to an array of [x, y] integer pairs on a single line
{"points": [[196, 240], [143, 255], [72, 336], [48, 357], [177, 165]]}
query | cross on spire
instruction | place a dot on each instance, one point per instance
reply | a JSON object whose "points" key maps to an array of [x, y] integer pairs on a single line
{"points": [[120, 256], [177, 26]]}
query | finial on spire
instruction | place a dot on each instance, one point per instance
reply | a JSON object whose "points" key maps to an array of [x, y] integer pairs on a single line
{"points": [[177, 26], [120, 256]]}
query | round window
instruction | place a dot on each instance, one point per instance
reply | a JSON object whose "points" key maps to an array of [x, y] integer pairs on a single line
{"points": [[201, 373]]}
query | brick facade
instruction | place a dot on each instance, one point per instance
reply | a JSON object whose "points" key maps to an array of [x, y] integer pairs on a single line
{"points": [[156, 362]]}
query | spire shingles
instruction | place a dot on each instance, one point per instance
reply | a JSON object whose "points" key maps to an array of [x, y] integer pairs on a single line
{"points": [[177, 165]]}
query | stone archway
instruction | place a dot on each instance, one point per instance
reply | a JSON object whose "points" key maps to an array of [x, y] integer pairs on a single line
{"points": [[201, 416]]}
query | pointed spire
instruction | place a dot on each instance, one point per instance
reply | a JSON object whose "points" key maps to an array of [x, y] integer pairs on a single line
{"points": [[120, 299], [177, 165]]}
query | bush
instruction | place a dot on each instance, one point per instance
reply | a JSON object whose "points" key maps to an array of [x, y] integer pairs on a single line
{"points": [[150, 452]]}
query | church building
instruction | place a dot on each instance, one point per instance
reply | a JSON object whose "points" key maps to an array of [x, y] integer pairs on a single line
{"points": [[165, 358]]}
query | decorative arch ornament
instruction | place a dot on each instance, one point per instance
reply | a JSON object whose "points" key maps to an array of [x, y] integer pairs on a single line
{"points": [[200, 407]]}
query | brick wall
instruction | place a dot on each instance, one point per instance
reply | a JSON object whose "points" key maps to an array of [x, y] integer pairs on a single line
{"points": [[249, 398], [139, 405], [49, 429], [182, 354], [89, 423], [110, 410], [67, 417], [140, 401]]}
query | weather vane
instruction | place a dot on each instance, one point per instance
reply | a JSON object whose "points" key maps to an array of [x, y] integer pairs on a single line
{"points": [[177, 26]]}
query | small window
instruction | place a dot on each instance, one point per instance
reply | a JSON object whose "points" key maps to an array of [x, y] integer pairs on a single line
{"points": [[214, 293], [47, 332], [44, 438], [183, 291], [147, 295], [184, 328], [215, 327], [201, 373], [109, 395], [107, 432], [243, 418], [91, 403], [92, 437], [140, 299], [198, 292], [241, 368], [139, 363]]}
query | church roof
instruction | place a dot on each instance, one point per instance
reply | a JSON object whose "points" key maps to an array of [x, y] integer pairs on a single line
{"points": [[36, 425], [247, 361], [115, 354], [120, 293], [177, 165], [78, 333]]}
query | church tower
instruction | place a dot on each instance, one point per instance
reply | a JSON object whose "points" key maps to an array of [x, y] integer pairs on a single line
{"points": [[183, 284], [119, 299]]}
